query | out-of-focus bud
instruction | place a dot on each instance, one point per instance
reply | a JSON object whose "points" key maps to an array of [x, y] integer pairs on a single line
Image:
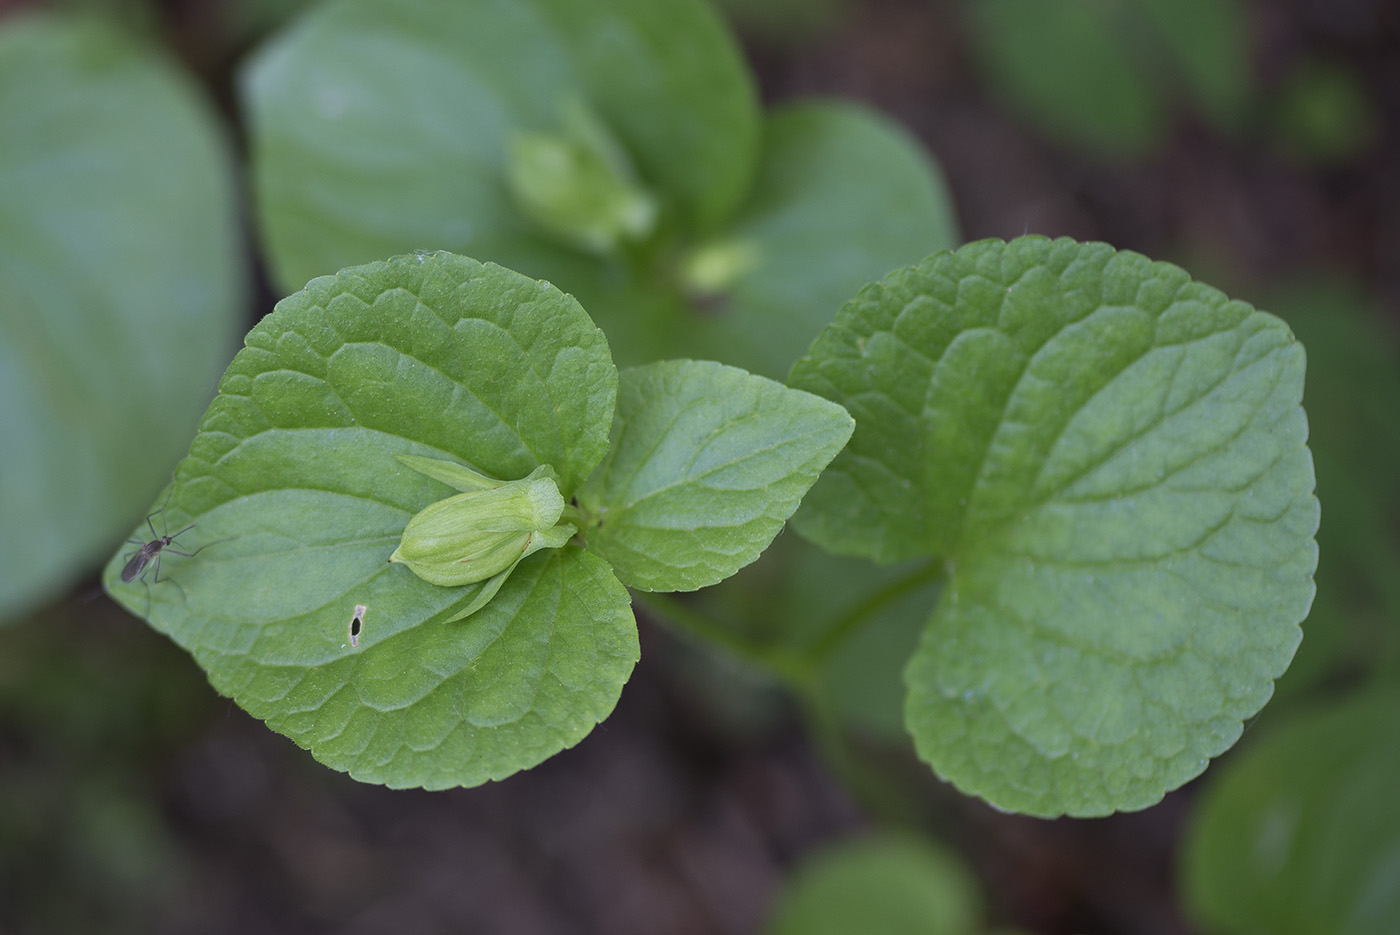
{"points": [[579, 185], [713, 268]]}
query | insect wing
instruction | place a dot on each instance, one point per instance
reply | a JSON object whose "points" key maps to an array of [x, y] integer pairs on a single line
{"points": [[137, 564]]}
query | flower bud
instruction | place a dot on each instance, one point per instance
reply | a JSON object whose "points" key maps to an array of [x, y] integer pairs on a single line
{"points": [[484, 532]]}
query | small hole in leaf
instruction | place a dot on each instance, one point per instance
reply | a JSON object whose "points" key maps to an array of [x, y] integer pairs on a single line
{"points": [[355, 623]]}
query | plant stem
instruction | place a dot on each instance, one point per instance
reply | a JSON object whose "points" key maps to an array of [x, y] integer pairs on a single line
{"points": [[794, 671], [846, 624]]}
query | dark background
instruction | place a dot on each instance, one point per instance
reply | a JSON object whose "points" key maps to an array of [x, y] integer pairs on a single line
{"points": [[133, 799]]}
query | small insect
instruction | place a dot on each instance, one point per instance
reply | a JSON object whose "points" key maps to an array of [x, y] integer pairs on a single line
{"points": [[150, 551], [355, 622]]}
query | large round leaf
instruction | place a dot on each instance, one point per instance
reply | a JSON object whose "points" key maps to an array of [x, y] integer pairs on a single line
{"points": [[1111, 461]]}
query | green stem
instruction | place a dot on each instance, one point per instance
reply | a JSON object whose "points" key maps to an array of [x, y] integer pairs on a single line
{"points": [[791, 670], [842, 627]]}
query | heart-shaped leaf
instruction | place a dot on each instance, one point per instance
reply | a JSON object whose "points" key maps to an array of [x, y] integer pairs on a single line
{"points": [[1111, 461], [297, 498]]}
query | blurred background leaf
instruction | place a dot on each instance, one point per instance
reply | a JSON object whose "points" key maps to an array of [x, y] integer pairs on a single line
{"points": [[1352, 395], [1106, 76], [120, 285], [880, 885], [1301, 834], [1322, 113], [381, 129]]}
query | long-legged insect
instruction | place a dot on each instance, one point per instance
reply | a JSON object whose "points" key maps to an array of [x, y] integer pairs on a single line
{"points": [[150, 551]]}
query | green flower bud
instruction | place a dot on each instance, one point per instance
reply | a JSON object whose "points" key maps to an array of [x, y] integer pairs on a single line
{"points": [[714, 268], [579, 185], [484, 532]]}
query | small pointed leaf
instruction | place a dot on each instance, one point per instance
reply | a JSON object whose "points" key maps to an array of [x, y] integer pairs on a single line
{"points": [[707, 464]]}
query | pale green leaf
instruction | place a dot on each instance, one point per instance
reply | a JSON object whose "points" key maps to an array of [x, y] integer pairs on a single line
{"points": [[120, 286], [1111, 461], [298, 498], [842, 197], [381, 128], [882, 885], [707, 464]]}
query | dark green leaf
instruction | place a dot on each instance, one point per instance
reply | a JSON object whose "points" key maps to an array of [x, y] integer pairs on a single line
{"points": [[1065, 67], [1104, 75], [1353, 395], [1300, 834]]}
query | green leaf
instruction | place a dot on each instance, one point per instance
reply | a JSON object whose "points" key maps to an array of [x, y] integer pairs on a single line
{"points": [[1207, 43], [1300, 833], [1353, 395], [1111, 461], [671, 81], [842, 197], [1103, 75], [707, 463], [884, 885], [119, 288], [381, 128], [1066, 67], [297, 497]]}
